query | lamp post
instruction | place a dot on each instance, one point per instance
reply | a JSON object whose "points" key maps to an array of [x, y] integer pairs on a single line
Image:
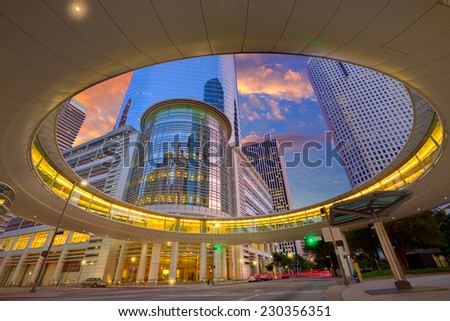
{"points": [[45, 253], [81, 269]]}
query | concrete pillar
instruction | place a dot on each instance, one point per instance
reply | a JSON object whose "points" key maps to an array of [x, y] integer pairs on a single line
{"points": [[59, 266], [347, 259], [154, 263], [233, 272], [40, 260], [217, 262], [142, 263], [202, 275], [15, 277], [392, 259], [120, 263], [224, 263], [173, 263]]}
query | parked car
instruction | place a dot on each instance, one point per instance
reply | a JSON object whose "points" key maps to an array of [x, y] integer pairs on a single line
{"points": [[93, 283], [254, 278], [266, 277]]}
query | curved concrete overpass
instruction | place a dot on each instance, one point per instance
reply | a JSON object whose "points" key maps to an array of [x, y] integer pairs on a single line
{"points": [[50, 52]]}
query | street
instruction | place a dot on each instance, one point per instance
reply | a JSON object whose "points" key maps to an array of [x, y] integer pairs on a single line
{"points": [[294, 289]]}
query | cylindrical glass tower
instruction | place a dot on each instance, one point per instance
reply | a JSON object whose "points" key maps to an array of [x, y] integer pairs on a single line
{"points": [[211, 79], [185, 162]]}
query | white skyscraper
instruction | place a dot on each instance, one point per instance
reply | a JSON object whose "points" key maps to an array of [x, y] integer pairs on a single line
{"points": [[369, 113]]}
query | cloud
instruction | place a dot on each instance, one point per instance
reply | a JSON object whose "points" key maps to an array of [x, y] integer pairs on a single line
{"points": [[103, 101], [275, 80]]}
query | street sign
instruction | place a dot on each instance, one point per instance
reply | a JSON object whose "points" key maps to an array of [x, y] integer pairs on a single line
{"points": [[327, 235]]}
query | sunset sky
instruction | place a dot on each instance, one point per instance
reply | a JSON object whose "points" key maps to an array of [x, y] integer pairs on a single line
{"points": [[276, 98]]}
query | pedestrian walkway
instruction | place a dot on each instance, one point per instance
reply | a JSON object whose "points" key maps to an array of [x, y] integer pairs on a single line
{"points": [[426, 287]]}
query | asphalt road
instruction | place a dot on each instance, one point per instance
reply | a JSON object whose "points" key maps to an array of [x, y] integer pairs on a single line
{"points": [[294, 289]]}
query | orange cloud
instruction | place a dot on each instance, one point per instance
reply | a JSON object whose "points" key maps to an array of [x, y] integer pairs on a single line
{"points": [[275, 80], [103, 101]]}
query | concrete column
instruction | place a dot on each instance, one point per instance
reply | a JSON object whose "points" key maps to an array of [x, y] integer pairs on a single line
{"points": [[173, 263], [15, 277], [142, 263], [2, 267], [154, 263], [40, 260], [233, 272], [392, 259], [120, 263], [347, 259], [217, 265], [59, 266], [224, 263], [202, 275]]}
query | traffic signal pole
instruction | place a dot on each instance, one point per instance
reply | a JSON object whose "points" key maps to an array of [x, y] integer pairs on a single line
{"points": [[336, 250]]}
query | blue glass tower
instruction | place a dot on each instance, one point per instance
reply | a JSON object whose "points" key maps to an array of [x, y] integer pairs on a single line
{"points": [[210, 79]]}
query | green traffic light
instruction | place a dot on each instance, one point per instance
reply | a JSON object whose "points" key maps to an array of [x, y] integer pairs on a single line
{"points": [[311, 240]]}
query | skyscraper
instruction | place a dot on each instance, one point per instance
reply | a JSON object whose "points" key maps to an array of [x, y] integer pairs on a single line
{"points": [[209, 79], [369, 113], [70, 119], [269, 163]]}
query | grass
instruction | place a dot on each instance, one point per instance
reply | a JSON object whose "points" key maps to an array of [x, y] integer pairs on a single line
{"points": [[388, 272]]}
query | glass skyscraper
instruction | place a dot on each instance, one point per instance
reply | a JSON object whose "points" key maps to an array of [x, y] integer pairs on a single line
{"points": [[369, 113], [210, 79]]}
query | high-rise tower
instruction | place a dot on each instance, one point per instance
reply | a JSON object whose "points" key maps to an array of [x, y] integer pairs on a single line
{"points": [[70, 119], [369, 113], [209, 79]]}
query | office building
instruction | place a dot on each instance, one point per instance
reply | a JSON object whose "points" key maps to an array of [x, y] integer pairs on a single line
{"points": [[70, 119], [210, 79], [267, 160], [106, 162], [185, 168], [370, 115], [269, 163]]}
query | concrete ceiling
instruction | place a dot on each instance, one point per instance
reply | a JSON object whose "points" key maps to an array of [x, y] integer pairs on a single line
{"points": [[49, 52]]}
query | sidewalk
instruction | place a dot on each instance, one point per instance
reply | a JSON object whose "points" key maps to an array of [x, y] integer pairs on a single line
{"points": [[426, 287]]}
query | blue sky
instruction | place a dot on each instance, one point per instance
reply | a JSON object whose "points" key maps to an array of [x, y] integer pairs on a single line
{"points": [[276, 98]]}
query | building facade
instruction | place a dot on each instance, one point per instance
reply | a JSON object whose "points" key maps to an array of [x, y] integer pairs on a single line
{"points": [[185, 168], [70, 119], [210, 79], [266, 158], [370, 115]]}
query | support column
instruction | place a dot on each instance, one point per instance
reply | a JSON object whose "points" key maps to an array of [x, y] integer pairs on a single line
{"points": [[232, 265], [238, 262], [59, 266], [202, 275], [347, 259], [224, 263], [392, 259], [120, 263], [154, 263], [217, 265], [15, 277], [173, 263], [142, 263], [40, 260]]}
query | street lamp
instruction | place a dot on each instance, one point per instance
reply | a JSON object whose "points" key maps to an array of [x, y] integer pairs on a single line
{"points": [[81, 269], [45, 253]]}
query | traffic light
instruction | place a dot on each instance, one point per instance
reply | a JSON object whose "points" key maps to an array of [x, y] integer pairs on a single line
{"points": [[218, 248], [310, 240]]}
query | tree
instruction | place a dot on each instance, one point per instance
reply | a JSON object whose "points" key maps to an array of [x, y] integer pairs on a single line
{"points": [[419, 231], [324, 254], [282, 260], [365, 245], [444, 225]]}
